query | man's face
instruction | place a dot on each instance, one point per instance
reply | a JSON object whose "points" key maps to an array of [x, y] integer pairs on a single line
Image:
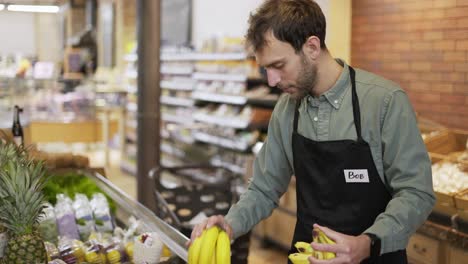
{"points": [[291, 72]]}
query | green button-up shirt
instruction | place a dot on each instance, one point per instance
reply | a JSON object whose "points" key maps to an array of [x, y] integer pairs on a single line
{"points": [[389, 125]]}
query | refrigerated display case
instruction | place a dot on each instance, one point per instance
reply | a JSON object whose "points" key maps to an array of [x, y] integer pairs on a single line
{"points": [[126, 207]]}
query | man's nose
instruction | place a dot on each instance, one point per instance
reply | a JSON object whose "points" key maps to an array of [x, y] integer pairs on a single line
{"points": [[273, 77]]}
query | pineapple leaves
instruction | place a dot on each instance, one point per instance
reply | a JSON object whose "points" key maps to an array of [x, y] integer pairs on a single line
{"points": [[21, 185]]}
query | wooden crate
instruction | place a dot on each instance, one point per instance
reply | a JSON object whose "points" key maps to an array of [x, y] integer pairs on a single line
{"points": [[448, 141], [461, 203], [424, 250], [428, 133]]}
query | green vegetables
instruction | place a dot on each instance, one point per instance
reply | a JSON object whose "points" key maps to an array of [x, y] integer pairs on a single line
{"points": [[70, 184]]}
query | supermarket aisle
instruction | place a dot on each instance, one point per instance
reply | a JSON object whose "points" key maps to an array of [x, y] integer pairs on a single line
{"points": [[258, 254]]}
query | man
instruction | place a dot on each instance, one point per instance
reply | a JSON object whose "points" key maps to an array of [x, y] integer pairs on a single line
{"points": [[351, 139]]}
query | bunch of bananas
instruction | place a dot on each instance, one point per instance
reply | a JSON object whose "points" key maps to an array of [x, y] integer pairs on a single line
{"points": [[305, 250], [213, 246]]}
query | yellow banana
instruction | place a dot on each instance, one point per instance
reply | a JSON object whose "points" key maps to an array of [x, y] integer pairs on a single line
{"points": [[209, 245], [304, 247], [326, 238], [318, 254], [322, 239], [194, 249], [299, 258], [213, 258], [223, 248]]}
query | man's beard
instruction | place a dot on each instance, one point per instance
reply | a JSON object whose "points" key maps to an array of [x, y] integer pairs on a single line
{"points": [[306, 80]]}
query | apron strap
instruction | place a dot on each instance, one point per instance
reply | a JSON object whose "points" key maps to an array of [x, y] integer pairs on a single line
{"points": [[355, 101], [296, 115]]}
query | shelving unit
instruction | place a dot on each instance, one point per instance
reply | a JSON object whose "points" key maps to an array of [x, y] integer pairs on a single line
{"points": [[212, 109], [129, 150]]}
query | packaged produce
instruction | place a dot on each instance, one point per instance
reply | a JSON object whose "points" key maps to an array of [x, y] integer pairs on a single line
{"points": [[115, 253], [147, 248], [66, 223], [57, 261], [48, 224], [101, 211], [93, 253], [52, 251], [84, 216], [72, 249]]}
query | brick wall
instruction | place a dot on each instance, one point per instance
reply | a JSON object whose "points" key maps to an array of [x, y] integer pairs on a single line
{"points": [[423, 46]]}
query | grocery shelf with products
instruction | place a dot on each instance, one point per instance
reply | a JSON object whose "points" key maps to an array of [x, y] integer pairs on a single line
{"points": [[216, 101]]}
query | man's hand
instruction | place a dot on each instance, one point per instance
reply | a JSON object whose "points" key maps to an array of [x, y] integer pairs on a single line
{"points": [[211, 221], [348, 249]]}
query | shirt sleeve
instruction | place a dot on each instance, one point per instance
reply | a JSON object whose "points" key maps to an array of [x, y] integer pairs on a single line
{"points": [[407, 172], [271, 176]]}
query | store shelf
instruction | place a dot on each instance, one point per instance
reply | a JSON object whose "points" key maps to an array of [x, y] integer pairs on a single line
{"points": [[131, 57], [219, 77], [131, 136], [176, 71], [219, 98], [220, 141], [131, 150], [132, 88], [176, 119], [173, 85], [177, 101], [132, 107], [128, 167], [133, 124], [177, 137], [173, 151], [232, 167], [131, 74], [203, 56], [232, 122]]}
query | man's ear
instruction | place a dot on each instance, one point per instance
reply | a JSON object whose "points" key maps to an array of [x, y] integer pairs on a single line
{"points": [[312, 47]]}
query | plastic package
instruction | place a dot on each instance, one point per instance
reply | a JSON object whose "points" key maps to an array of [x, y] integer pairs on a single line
{"points": [[66, 223], [48, 224], [71, 250], [115, 253], [52, 251], [84, 216], [101, 211], [93, 254], [57, 261], [148, 248]]}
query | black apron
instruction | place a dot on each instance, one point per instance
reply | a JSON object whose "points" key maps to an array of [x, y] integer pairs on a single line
{"points": [[338, 185]]}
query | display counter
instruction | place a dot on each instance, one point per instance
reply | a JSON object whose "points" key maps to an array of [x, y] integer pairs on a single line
{"points": [[127, 206]]}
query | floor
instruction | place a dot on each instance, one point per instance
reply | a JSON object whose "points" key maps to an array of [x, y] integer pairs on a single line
{"points": [[259, 254]]}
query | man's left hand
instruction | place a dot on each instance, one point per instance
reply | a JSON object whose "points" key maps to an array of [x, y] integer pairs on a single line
{"points": [[348, 249]]}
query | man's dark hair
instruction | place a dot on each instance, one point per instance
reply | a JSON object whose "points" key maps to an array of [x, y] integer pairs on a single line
{"points": [[291, 21]]}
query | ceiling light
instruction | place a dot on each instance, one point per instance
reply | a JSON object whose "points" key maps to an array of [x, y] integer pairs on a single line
{"points": [[34, 8], [2, 7]]}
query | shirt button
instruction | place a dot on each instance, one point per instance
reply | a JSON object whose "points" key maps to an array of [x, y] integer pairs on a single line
{"points": [[315, 118], [336, 101]]}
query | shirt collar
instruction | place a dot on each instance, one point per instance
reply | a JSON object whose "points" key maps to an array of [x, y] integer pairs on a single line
{"points": [[335, 94]]}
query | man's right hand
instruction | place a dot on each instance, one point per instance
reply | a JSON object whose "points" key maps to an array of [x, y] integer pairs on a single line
{"points": [[207, 223]]}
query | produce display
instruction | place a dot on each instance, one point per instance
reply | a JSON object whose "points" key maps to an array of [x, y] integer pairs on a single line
{"points": [[64, 220], [84, 226], [305, 250], [213, 246], [448, 178]]}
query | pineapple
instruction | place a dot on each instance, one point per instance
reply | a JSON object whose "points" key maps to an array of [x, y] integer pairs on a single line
{"points": [[21, 203]]}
